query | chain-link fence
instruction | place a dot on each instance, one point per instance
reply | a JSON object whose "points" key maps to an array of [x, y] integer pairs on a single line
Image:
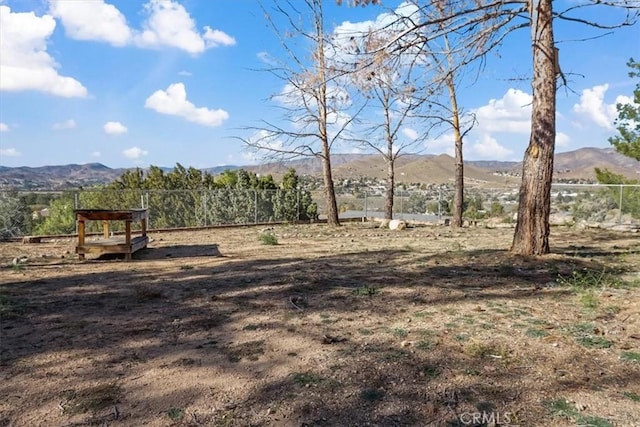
{"points": [[51, 213], [570, 203]]}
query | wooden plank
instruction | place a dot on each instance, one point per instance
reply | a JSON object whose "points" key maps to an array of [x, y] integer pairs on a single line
{"points": [[111, 215], [113, 246], [139, 242], [80, 238]]}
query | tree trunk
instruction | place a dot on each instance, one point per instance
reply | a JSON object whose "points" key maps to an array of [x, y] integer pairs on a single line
{"points": [[531, 235], [321, 99], [458, 198], [388, 206], [329, 190]]}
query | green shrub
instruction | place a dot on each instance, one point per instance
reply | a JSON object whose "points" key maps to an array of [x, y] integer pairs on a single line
{"points": [[268, 239]]}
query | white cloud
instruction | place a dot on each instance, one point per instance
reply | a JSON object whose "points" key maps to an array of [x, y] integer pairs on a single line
{"points": [[174, 102], [4, 127], [134, 153], [592, 106], [96, 154], [262, 138], [488, 147], [25, 63], [169, 24], [562, 139], [185, 73], [412, 134], [511, 113], [114, 128], [9, 152], [350, 35], [67, 124], [266, 58], [215, 38], [442, 144], [92, 20]]}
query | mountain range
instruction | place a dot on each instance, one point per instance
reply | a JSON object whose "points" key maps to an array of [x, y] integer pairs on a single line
{"points": [[575, 165]]}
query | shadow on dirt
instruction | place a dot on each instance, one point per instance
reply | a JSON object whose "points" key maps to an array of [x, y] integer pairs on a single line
{"points": [[190, 316]]}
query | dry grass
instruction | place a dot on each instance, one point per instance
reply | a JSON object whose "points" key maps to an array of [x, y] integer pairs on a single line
{"points": [[350, 326]]}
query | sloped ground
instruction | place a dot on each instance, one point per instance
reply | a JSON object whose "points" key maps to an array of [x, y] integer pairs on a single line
{"points": [[349, 327]]}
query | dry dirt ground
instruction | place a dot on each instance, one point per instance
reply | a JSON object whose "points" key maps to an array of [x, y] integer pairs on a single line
{"points": [[330, 327]]}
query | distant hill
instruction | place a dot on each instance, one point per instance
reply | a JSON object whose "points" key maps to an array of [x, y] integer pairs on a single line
{"points": [[57, 177], [581, 163], [572, 165]]}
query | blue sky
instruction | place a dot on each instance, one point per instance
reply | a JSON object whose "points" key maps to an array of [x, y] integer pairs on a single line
{"points": [[159, 82]]}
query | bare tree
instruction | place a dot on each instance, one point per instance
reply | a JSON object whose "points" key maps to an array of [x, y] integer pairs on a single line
{"points": [[389, 81], [492, 21], [450, 62], [316, 108]]}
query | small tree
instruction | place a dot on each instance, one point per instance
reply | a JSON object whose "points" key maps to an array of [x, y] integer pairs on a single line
{"points": [[15, 216], [628, 120], [389, 77], [61, 219], [315, 105]]}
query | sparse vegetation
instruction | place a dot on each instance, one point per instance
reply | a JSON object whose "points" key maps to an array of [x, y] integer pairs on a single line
{"points": [[632, 396], [585, 279], [306, 378], [451, 331], [92, 399], [630, 356], [365, 290], [268, 239], [561, 408], [399, 332], [486, 349], [175, 414]]}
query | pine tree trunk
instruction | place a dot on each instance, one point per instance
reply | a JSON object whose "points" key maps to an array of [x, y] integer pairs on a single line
{"points": [[531, 235]]}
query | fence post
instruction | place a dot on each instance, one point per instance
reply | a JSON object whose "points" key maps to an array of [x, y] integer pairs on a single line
{"points": [[366, 206], [255, 206], [439, 203], [620, 214], [204, 206], [148, 214], [75, 204]]}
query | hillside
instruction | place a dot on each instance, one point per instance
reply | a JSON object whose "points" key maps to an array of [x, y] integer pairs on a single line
{"points": [[572, 165], [57, 177]]}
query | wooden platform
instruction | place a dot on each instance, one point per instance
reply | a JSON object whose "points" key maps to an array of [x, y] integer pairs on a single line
{"points": [[111, 245]]}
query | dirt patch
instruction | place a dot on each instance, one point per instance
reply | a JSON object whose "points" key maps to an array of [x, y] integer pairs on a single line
{"points": [[350, 326]]}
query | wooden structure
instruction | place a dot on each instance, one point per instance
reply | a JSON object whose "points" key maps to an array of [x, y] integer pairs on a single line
{"points": [[126, 245]]}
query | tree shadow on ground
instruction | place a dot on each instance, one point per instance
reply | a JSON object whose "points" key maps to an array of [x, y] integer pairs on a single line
{"points": [[223, 317]]}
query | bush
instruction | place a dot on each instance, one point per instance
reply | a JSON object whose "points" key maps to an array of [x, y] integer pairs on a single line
{"points": [[268, 239]]}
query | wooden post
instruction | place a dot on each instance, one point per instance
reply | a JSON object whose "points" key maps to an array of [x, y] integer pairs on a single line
{"points": [[127, 230], [105, 228], [144, 226], [81, 237]]}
